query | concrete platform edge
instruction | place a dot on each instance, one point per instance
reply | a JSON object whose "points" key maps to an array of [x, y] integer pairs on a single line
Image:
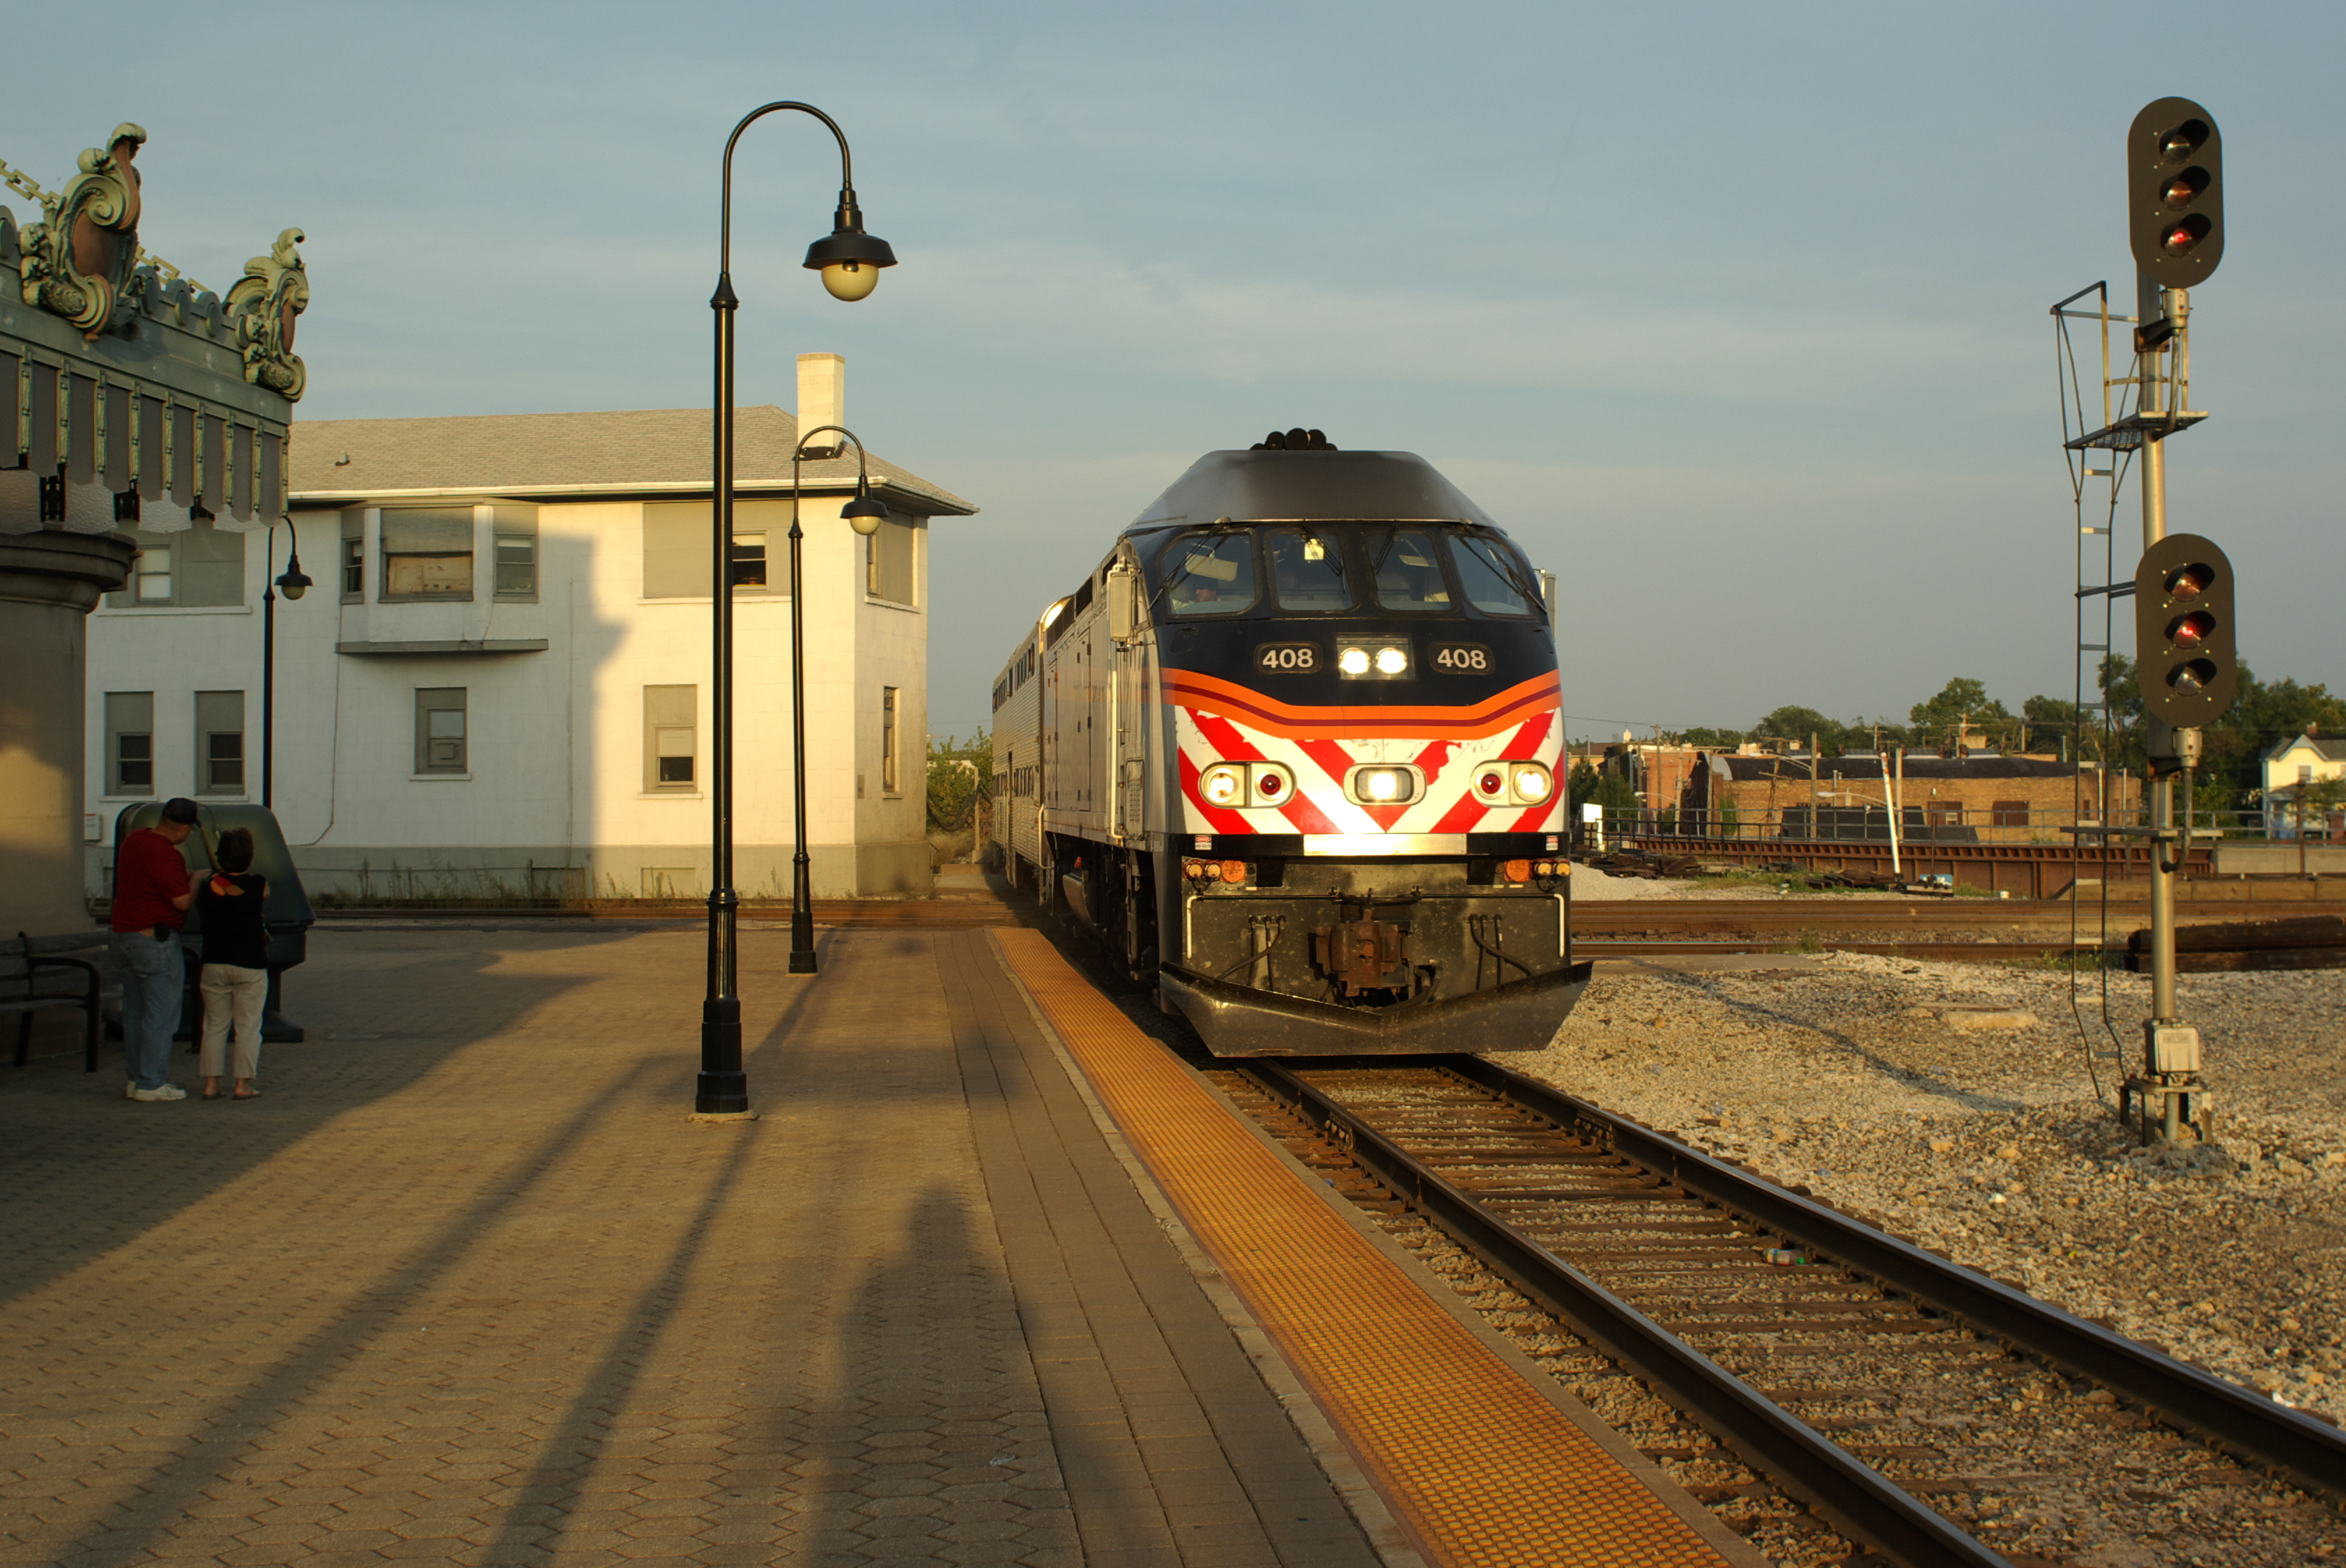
{"points": [[1386, 1536]]}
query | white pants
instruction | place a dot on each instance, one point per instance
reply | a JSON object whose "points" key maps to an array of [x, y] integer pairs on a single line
{"points": [[227, 988]]}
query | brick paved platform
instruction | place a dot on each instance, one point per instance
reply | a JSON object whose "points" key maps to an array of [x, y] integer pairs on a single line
{"points": [[466, 1287]]}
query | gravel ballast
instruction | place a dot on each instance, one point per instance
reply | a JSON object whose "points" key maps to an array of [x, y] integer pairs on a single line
{"points": [[1951, 1104]]}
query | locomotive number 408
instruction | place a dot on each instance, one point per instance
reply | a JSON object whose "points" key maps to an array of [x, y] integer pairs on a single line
{"points": [[1466, 657], [1292, 656]]}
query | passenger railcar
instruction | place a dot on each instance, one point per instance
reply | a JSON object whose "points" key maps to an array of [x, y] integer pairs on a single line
{"points": [[1293, 751]]}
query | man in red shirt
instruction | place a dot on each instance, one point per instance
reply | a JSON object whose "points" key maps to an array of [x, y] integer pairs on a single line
{"points": [[150, 903]]}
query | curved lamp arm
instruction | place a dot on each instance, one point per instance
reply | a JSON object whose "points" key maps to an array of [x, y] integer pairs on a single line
{"points": [[863, 513], [849, 258]]}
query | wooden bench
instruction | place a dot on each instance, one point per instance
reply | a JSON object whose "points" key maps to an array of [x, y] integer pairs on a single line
{"points": [[37, 972]]}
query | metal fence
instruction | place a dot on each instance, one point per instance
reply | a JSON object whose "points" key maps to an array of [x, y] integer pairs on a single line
{"points": [[1923, 824]]}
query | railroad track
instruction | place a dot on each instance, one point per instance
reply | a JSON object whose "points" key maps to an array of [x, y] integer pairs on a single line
{"points": [[1904, 1398], [1949, 951], [1613, 917]]}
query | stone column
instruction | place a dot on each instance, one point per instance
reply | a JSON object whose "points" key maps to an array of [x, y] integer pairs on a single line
{"points": [[49, 582]]}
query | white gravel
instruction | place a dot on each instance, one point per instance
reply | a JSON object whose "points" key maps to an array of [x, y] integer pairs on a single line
{"points": [[1951, 1104]]}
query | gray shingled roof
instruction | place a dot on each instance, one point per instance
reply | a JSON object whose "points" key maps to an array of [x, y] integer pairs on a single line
{"points": [[520, 455], [2329, 748]]}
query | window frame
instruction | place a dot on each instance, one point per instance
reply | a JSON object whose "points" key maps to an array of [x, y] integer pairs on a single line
{"points": [[385, 555], [509, 521], [220, 565], [212, 708], [892, 731], [129, 715], [352, 562], [667, 708], [432, 699]]}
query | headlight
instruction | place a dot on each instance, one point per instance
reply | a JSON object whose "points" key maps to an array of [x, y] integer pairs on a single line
{"points": [[1223, 784], [1372, 658], [1390, 785], [1531, 782]]}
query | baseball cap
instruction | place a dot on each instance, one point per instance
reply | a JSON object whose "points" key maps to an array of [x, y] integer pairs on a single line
{"points": [[179, 808]]}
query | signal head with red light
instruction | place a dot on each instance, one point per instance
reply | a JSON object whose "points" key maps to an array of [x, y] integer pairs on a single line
{"points": [[2187, 657], [2174, 192]]}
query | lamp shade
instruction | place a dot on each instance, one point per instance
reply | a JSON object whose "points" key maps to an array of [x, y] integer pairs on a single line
{"points": [[292, 579], [850, 262], [864, 515]]}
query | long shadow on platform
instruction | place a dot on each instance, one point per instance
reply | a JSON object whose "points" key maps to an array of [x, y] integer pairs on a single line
{"points": [[167, 1492], [88, 1171]]}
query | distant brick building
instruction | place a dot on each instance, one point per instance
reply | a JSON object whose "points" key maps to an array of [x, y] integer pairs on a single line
{"points": [[1974, 799]]}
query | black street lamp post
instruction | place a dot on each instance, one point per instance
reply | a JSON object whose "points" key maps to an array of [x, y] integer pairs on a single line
{"points": [[864, 516], [295, 584], [850, 262]]}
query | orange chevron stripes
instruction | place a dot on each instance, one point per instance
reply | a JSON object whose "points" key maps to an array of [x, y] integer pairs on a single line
{"points": [[1211, 693]]}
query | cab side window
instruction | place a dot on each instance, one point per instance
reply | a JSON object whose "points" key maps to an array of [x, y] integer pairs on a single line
{"points": [[1209, 575]]}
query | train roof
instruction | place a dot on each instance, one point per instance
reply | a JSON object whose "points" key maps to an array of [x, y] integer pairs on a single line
{"points": [[1312, 485]]}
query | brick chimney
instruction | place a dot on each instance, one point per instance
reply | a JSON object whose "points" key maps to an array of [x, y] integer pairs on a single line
{"points": [[822, 400]]}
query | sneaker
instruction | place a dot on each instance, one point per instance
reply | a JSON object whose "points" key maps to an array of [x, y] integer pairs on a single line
{"points": [[167, 1092], [129, 1088]]}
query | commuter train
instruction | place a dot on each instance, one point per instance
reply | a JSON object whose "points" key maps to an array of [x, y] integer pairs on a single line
{"points": [[1293, 753]]}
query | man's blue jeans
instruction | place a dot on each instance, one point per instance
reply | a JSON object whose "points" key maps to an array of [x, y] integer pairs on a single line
{"points": [[154, 983]]}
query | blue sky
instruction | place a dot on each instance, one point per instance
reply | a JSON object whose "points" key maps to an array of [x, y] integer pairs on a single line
{"points": [[1735, 315]]}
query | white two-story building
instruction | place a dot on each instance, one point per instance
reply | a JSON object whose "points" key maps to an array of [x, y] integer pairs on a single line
{"points": [[499, 681]]}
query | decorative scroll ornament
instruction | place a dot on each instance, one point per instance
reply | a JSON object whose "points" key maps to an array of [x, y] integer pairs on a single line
{"points": [[79, 258], [263, 304]]}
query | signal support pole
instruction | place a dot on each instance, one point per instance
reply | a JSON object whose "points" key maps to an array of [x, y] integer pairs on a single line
{"points": [[2170, 1046]]}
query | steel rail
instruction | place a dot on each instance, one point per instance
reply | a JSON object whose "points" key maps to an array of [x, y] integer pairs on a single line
{"points": [[2313, 1453], [1857, 1498]]}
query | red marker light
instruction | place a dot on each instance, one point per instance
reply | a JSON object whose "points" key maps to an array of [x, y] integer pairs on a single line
{"points": [[1268, 786], [2194, 627], [1489, 783]]}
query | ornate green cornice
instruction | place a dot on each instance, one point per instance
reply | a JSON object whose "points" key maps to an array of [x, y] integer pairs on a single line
{"points": [[83, 262], [263, 304]]}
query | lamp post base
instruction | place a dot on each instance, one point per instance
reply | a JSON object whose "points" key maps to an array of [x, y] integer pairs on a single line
{"points": [[723, 1088]]}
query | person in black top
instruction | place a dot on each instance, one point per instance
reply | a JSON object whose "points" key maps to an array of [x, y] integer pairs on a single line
{"points": [[236, 963]]}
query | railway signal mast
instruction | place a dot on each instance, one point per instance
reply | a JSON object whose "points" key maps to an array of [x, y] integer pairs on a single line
{"points": [[2187, 664], [2186, 660]]}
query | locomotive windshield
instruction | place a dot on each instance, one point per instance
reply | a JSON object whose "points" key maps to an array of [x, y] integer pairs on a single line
{"points": [[1341, 569]]}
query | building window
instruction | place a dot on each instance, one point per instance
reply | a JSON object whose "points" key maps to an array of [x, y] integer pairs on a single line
{"points": [[131, 743], [220, 743], [440, 739], [671, 737], [891, 781], [203, 565], [354, 557], [676, 547], [2009, 813], [427, 552], [515, 529], [887, 562], [748, 556]]}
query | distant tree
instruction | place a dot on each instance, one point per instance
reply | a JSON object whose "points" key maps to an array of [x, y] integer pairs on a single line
{"points": [[1713, 739], [1580, 788], [1961, 701], [960, 773], [1796, 723]]}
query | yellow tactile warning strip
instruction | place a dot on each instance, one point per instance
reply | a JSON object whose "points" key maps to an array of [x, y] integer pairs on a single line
{"points": [[1481, 1469]]}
